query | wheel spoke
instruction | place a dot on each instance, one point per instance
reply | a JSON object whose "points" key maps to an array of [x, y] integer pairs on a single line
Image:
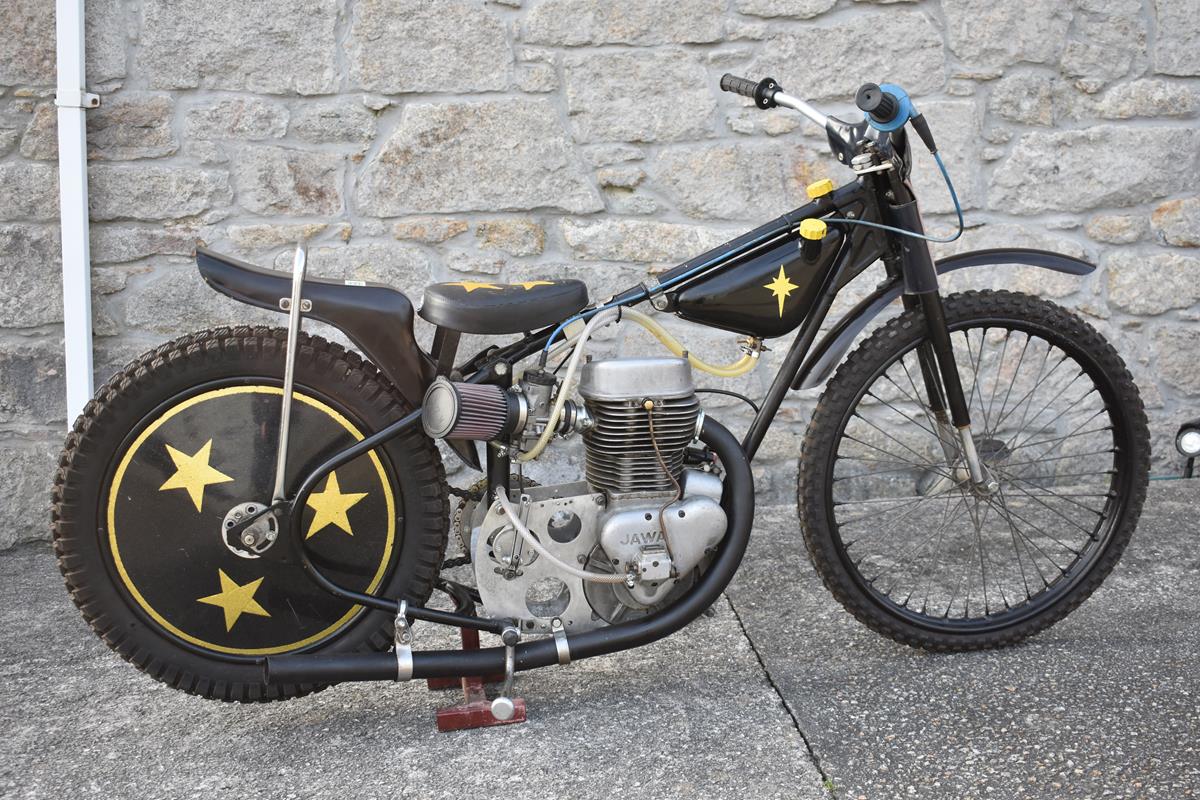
{"points": [[1012, 382], [975, 391], [1026, 400], [1042, 531], [1052, 493], [893, 438], [897, 459], [930, 545], [1002, 509]]}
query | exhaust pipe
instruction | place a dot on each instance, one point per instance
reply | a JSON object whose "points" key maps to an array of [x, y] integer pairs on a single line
{"points": [[738, 502]]}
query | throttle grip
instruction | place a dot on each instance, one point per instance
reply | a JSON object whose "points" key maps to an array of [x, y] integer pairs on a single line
{"points": [[762, 92], [881, 106], [887, 106]]}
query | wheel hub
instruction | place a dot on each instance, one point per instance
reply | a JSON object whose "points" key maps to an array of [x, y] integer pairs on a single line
{"points": [[255, 539]]}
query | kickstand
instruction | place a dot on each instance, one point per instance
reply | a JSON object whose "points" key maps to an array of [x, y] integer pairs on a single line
{"points": [[476, 710]]}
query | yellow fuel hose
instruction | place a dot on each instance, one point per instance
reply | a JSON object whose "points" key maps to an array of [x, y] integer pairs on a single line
{"points": [[740, 367]]}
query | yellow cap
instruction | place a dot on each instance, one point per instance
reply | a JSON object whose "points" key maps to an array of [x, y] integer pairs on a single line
{"points": [[819, 189], [812, 229]]}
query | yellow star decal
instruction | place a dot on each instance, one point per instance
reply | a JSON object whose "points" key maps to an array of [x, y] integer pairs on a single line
{"points": [[235, 600], [331, 506], [193, 473], [471, 286], [530, 284], [781, 287]]}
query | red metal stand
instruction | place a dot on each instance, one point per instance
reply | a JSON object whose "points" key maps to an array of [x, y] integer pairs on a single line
{"points": [[476, 710]]}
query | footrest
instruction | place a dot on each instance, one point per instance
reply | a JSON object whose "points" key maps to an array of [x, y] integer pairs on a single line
{"points": [[476, 710]]}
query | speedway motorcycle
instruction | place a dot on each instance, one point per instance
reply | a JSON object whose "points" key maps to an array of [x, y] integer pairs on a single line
{"points": [[252, 513]]}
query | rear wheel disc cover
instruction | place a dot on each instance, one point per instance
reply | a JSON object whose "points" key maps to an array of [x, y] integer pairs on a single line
{"points": [[196, 460]]}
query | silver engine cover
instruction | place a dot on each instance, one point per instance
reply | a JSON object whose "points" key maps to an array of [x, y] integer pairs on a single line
{"points": [[624, 531], [695, 525]]}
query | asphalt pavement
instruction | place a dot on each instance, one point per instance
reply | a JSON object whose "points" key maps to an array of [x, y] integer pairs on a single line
{"points": [[780, 694]]}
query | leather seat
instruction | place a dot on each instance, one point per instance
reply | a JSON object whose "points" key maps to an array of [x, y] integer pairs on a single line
{"points": [[488, 307]]}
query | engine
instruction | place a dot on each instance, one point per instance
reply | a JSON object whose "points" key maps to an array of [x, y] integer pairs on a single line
{"points": [[617, 544]]}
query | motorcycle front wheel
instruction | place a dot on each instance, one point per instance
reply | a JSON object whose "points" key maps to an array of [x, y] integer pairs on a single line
{"points": [[182, 440], [894, 525]]}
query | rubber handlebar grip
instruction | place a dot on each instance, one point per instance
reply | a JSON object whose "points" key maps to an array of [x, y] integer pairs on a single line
{"points": [[742, 86], [881, 106]]}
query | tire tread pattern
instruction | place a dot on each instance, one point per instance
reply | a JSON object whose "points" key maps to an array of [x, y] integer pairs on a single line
{"points": [[82, 454], [843, 390]]}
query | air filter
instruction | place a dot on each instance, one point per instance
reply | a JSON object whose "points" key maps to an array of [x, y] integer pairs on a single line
{"points": [[474, 411]]}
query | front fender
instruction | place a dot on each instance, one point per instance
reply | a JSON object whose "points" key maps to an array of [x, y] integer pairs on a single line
{"points": [[828, 352]]}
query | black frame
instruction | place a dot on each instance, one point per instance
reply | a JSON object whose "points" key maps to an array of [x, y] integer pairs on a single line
{"points": [[881, 197]]}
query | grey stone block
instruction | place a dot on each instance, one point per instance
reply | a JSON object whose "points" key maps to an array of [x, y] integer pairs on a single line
{"points": [[1152, 283], [278, 180], [1177, 32], [343, 120], [640, 22], [153, 192], [498, 155], [417, 46], [26, 470], [32, 387], [992, 35], [244, 118], [1106, 165], [811, 61], [1178, 221], [604, 109], [221, 44], [30, 191], [30, 276]]}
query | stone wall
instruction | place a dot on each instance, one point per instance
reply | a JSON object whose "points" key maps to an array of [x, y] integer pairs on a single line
{"points": [[419, 140]]}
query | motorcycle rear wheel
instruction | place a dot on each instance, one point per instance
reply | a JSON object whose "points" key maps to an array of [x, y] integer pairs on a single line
{"points": [[892, 523], [180, 439]]}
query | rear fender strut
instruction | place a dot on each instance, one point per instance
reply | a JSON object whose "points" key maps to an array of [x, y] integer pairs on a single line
{"points": [[830, 351]]}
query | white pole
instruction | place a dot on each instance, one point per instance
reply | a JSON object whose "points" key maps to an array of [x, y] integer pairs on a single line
{"points": [[72, 100]]}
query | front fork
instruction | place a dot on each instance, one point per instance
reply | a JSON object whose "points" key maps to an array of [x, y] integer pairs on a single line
{"points": [[943, 387], [936, 357]]}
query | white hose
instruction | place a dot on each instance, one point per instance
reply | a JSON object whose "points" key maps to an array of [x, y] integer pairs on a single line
{"points": [[527, 535], [564, 388]]}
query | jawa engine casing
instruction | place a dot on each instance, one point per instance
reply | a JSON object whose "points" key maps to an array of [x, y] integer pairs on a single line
{"points": [[611, 522]]}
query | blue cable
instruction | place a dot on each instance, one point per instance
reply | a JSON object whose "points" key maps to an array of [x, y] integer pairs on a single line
{"points": [[939, 239]]}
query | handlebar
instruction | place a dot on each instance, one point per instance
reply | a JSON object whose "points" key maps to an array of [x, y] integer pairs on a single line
{"points": [[887, 107], [767, 93]]}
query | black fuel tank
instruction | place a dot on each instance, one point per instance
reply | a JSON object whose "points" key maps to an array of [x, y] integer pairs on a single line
{"points": [[766, 295]]}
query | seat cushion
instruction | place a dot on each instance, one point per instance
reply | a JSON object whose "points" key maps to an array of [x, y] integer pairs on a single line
{"points": [[487, 307]]}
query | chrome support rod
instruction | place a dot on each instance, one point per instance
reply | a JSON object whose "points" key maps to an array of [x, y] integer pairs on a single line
{"points": [[293, 307]]}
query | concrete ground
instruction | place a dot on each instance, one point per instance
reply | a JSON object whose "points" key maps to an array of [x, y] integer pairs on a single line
{"points": [[781, 694]]}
